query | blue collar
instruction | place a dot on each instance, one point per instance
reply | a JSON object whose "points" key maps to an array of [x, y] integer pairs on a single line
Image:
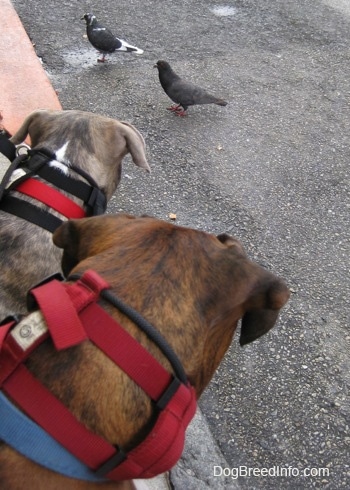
{"points": [[30, 440]]}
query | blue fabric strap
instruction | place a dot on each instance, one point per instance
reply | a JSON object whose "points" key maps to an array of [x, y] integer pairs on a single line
{"points": [[30, 440]]}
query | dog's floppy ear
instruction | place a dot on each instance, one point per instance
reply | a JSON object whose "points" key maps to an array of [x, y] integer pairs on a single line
{"points": [[230, 242], [136, 145], [32, 126], [22, 132], [67, 236], [262, 315]]}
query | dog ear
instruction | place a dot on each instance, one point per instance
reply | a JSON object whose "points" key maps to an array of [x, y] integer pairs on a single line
{"points": [[136, 145], [263, 314], [22, 132], [67, 236], [32, 127], [230, 242]]}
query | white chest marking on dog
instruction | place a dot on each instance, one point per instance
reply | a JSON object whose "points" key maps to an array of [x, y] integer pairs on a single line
{"points": [[61, 161], [61, 153], [29, 330]]}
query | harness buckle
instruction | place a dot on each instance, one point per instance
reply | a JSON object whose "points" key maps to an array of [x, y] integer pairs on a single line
{"points": [[29, 331], [22, 149]]}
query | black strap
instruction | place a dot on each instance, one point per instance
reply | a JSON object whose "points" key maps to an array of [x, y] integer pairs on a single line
{"points": [[75, 187], [7, 176], [21, 161], [93, 197], [90, 194], [168, 393], [7, 148], [115, 460], [29, 212], [149, 330]]}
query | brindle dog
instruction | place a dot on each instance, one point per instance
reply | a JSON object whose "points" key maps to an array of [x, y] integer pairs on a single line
{"points": [[194, 287]]}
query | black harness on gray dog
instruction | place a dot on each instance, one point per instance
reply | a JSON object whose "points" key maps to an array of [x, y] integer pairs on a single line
{"points": [[7, 148], [36, 163]]}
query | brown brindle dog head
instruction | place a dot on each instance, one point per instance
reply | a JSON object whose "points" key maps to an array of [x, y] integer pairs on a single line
{"points": [[193, 286]]}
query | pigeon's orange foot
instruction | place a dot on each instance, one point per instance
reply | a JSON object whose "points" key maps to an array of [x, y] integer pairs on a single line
{"points": [[174, 108], [181, 113]]}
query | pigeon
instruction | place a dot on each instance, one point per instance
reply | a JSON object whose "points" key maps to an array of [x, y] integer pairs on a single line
{"points": [[103, 40], [183, 93]]}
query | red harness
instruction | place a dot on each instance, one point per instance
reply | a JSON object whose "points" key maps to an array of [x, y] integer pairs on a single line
{"points": [[51, 197], [72, 315]]}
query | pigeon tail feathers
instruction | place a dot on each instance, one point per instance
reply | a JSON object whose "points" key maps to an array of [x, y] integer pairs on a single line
{"points": [[221, 102], [128, 47]]}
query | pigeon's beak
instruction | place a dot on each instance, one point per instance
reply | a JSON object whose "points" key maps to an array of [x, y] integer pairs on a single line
{"points": [[155, 66]]}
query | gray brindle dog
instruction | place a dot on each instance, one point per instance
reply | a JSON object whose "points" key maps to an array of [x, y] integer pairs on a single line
{"points": [[75, 146]]}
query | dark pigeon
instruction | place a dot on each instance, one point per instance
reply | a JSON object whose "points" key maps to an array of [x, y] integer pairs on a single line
{"points": [[183, 93], [103, 40]]}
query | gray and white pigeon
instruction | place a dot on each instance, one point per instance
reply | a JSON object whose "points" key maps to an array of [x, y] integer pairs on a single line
{"points": [[104, 40], [183, 93]]}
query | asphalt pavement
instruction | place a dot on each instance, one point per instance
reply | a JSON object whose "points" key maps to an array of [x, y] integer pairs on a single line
{"points": [[271, 168]]}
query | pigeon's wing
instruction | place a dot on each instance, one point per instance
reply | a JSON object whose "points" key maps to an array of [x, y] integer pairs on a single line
{"points": [[103, 39], [182, 92], [187, 94], [201, 96]]}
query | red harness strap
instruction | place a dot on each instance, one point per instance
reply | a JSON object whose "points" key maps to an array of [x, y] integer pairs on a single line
{"points": [[45, 409], [12, 354], [51, 197], [4, 330], [160, 450], [60, 314]]}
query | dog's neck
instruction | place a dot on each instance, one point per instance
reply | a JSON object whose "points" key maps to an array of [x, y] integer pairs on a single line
{"points": [[67, 191]]}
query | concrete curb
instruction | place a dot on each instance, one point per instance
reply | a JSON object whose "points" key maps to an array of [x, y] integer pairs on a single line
{"points": [[195, 470], [23, 81]]}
